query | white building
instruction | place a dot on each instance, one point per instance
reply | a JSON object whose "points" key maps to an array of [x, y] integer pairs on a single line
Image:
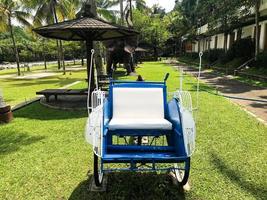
{"points": [[217, 41]]}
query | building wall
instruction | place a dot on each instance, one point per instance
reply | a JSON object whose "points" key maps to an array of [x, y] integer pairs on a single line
{"points": [[220, 41], [247, 31]]}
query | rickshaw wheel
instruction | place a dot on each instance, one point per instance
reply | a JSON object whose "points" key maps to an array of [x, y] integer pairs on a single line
{"points": [[182, 175], [98, 174]]}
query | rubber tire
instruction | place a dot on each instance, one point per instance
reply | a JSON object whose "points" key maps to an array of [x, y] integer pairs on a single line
{"points": [[97, 178], [186, 173]]}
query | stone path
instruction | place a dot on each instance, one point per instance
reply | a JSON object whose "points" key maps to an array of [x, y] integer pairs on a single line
{"points": [[36, 75], [74, 68], [29, 76], [253, 99]]}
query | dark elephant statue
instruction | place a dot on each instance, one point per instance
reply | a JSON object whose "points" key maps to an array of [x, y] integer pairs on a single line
{"points": [[121, 52]]}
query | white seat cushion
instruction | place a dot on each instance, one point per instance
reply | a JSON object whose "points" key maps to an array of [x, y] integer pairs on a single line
{"points": [[136, 103], [138, 108], [144, 124]]}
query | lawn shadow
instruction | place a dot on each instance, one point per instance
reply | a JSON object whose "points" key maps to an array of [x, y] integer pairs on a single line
{"points": [[41, 81], [12, 141], [119, 73], [40, 112], [127, 185], [262, 106], [258, 191]]}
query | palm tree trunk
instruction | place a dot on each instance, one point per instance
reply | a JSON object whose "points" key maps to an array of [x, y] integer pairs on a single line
{"points": [[60, 50], [121, 11], [14, 44], [98, 59], [257, 32], [44, 55], [58, 56], [62, 56]]}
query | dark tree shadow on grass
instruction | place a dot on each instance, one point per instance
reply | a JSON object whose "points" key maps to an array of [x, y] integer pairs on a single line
{"points": [[13, 141], [40, 112], [127, 185], [258, 191], [119, 73]]}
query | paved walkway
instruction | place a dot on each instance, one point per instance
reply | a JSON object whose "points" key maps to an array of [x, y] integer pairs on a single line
{"points": [[251, 98], [31, 75]]}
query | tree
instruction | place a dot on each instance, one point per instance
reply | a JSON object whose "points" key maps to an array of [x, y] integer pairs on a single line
{"points": [[9, 10], [141, 5], [121, 12], [53, 11], [152, 27], [104, 10]]}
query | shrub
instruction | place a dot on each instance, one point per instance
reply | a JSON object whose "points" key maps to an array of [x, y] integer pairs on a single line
{"points": [[228, 56], [244, 48], [261, 60], [213, 55], [193, 55]]}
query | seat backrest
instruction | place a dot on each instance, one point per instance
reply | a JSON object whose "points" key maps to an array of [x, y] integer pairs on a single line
{"points": [[138, 103]]}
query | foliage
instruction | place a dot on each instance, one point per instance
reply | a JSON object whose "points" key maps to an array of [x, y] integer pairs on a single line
{"points": [[192, 55], [32, 48], [213, 55], [261, 61], [183, 19], [11, 10], [243, 48], [105, 11], [152, 28]]}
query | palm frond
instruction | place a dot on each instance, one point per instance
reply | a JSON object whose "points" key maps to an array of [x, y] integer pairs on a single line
{"points": [[41, 14], [3, 26], [21, 19], [107, 14]]}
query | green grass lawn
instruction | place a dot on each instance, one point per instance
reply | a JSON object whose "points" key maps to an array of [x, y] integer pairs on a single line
{"points": [[17, 90], [43, 154]]}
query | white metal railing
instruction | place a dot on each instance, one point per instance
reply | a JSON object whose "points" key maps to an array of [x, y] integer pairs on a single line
{"points": [[187, 119], [94, 128], [185, 99], [96, 120]]}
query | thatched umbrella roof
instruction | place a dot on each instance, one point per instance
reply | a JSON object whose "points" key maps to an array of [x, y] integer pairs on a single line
{"points": [[85, 28]]}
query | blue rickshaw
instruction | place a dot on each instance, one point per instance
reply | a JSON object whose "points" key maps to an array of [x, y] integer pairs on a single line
{"points": [[136, 128]]}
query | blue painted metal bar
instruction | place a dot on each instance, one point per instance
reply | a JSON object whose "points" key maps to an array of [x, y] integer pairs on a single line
{"points": [[125, 148], [141, 169], [124, 132], [137, 82]]}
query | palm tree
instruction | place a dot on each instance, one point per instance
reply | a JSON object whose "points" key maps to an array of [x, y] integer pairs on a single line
{"points": [[53, 11], [141, 5], [121, 10], [104, 9], [10, 10]]}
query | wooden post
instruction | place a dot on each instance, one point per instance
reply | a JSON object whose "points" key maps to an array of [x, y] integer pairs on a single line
{"points": [[89, 47]]}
